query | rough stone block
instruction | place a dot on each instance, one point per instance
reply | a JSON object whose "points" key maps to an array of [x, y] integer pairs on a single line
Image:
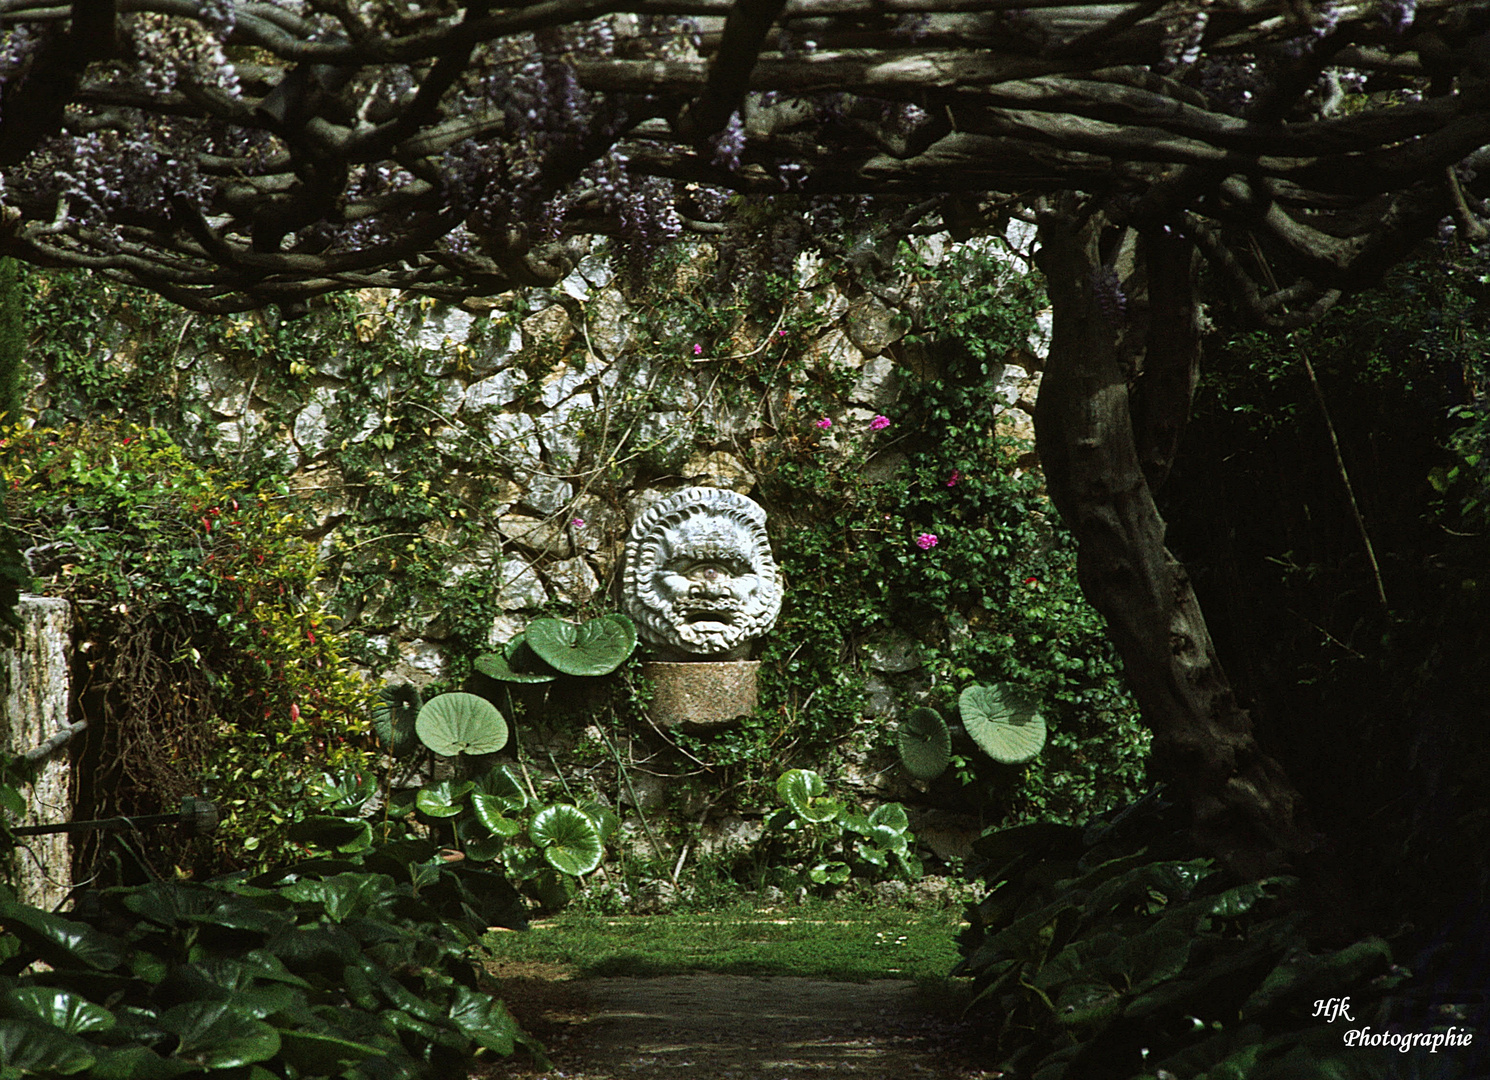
{"points": [[702, 694]]}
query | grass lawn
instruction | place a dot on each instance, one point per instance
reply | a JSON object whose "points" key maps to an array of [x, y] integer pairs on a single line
{"points": [[841, 940]]}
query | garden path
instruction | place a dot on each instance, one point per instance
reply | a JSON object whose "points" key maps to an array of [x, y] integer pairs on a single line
{"points": [[732, 1027]]}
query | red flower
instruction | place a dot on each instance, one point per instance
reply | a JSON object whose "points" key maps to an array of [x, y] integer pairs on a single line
{"points": [[294, 711], [1031, 581]]}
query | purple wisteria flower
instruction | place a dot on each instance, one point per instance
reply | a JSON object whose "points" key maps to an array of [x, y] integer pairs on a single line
{"points": [[926, 541]]}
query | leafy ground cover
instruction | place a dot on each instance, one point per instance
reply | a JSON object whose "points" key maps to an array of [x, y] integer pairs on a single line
{"points": [[840, 940]]}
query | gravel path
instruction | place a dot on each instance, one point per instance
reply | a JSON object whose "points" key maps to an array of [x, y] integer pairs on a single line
{"points": [[734, 1027]]}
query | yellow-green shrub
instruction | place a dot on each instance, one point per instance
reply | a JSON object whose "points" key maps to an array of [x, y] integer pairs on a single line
{"points": [[210, 662]]}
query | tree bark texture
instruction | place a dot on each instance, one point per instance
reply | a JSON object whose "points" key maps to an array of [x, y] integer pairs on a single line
{"points": [[1113, 400]]}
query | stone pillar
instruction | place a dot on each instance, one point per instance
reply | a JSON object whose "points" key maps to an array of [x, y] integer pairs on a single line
{"points": [[37, 694]]}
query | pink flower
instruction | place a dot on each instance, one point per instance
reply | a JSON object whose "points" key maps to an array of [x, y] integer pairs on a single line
{"points": [[879, 423], [577, 523], [926, 541], [824, 424], [698, 350], [956, 476], [781, 333]]}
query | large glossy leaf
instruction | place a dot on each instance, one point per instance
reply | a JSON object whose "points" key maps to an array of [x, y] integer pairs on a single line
{"points": [[214, 1035], [925, 744], [137, 1063], [346, 835], [33, 1049], [458, 723], [1003, 721], [568, 839], [596, 648], [62, 942], [58, 1008], [606, 820], [891, 816], [445, 799], [394, 715], [316, 1054], [502, 783], [484, 1019], [516, 663], [803, 790], [169, 903], [492, 812]]}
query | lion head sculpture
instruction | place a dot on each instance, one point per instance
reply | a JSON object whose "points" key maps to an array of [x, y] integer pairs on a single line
{"points": [[699, 578]]}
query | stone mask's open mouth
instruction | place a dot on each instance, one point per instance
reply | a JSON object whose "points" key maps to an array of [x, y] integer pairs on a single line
{"points": [[707, 615]]}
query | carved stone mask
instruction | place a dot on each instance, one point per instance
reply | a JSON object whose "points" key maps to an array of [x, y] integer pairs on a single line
{"points": [[699, 576]]}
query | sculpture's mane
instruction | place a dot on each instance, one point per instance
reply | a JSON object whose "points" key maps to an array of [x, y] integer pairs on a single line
{"points": [[648, 545]]}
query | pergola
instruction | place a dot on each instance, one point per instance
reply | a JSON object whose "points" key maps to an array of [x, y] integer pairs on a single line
{"points": [[229, 156]]}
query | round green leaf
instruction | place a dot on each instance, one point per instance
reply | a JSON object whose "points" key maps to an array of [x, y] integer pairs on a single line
{"points": [[829, 873], [393, 717], [491, 811], [803, 790], [890, 815], [925, 744], [1003, 721], [596, 648], [445, 799], [568, 839], [517, 662], [457, 723]]}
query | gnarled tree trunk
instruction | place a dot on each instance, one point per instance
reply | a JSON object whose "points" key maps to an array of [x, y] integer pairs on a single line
{"points": [[1113, 400]]}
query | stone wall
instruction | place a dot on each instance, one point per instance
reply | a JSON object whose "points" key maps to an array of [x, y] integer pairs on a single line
{"points": [[38, 691], [556, 407]]}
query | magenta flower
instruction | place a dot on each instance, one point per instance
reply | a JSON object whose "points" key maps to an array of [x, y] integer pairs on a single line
{"points": [[698, 350], [956, 476], [577, 523], [926, 541], [824, 424], [879, 423]]}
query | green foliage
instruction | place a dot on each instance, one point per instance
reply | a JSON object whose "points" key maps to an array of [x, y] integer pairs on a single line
{"points": [[13, 573], [485, 814], [12, 342], [1258, 508], [994, 600], [1111, 950], [322, 970], [818, 841], [201, 599]]}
